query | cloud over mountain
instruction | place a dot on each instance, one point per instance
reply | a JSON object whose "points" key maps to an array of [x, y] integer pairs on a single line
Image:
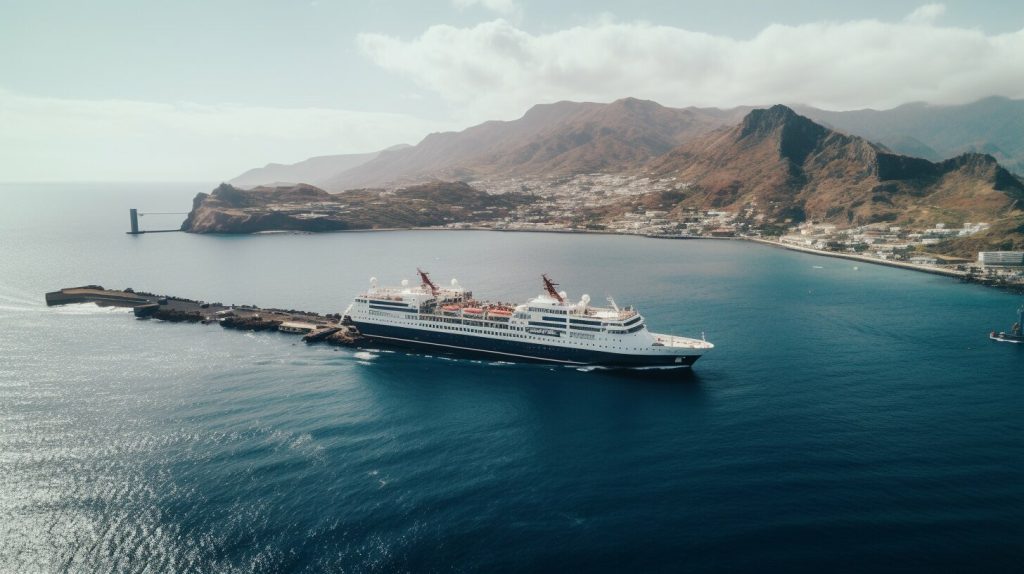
{"points": [[497, 69]]}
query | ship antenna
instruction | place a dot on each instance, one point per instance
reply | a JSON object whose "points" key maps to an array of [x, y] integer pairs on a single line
{"points": [[425, 278], [612, 301], [549, 286]]}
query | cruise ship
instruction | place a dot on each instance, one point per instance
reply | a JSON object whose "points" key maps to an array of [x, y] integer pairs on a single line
{"points": [[547, 328]]}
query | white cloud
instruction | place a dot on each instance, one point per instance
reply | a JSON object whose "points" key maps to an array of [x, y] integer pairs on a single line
{"points": [[504, 7], [926, 14], [497, 70], [51, 139]]}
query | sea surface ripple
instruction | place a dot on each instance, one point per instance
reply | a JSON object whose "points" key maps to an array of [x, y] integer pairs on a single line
{"points": [[852, 420]]}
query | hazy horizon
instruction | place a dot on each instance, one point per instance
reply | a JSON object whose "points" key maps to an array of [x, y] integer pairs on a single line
{"points": [[195, 92]]}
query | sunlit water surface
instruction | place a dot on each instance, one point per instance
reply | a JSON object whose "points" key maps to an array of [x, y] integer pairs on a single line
{"points": [[848, 420]]}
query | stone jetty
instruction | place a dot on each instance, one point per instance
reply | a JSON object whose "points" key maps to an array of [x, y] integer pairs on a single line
{"points": [[314, 327]]}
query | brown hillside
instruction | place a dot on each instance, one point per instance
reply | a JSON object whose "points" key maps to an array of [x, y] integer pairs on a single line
{"points": [[550, 139], [793, 168], [1005, 235]]}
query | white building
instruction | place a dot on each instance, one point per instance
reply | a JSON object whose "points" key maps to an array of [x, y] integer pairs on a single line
{"points": [[1001, 257]]}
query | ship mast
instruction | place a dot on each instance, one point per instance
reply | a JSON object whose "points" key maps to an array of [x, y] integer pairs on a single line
{"points": [[549, 286], [426, 282]]}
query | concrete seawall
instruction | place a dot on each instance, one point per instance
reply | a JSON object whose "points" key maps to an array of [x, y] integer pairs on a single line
{"points": [[863, 259]]}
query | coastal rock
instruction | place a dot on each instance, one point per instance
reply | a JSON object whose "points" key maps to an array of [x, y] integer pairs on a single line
{"points": [[343, 337], [249, 323], [176, 316]]}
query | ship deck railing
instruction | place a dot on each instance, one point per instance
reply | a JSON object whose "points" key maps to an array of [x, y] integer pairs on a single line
{"points": [[683, 342], [620, 315]]}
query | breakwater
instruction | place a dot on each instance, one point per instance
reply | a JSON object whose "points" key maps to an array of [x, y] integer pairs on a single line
{"points": [[315, 327]]}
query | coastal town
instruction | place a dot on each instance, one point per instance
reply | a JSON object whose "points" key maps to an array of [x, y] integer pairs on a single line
{"points": [[599, 203], [561, 201]]}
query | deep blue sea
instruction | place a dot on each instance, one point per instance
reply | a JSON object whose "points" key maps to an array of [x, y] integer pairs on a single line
{"points": [[849, 420]]}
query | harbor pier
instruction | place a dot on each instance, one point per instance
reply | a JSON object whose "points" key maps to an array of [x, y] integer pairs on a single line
{"points": [[330, 328]]}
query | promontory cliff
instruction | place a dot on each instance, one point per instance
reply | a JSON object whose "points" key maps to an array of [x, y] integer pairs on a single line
{"points": [[307, 208]]}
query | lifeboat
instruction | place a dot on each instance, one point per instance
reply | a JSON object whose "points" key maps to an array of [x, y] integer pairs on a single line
{"points": [[450, 308], [472, 311], [500, 313]]}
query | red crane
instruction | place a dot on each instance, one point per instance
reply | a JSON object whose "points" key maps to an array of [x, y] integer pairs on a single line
{"points": [[426, 282], [550, 285]]}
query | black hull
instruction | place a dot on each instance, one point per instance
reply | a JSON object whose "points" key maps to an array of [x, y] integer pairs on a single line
{"points": [[518, 351]]}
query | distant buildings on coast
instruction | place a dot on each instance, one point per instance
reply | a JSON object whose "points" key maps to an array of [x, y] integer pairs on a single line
{"points": [[561, 201]]}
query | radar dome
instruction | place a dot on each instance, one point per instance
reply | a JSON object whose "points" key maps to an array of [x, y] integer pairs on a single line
{"points": [[585, 299], [455, 282], [563, 294], [373, 281], [405, 282]]}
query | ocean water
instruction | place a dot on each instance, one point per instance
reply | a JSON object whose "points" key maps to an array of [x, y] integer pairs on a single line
{"points": [[848, 420]]}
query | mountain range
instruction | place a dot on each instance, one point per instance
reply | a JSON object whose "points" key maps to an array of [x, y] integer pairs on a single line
{"points": [[557, 139], [774, 162], [993, 126], [791, 168], [568, 138]]}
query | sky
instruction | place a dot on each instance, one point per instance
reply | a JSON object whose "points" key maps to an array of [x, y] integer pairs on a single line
{"points": [[137, 90]]}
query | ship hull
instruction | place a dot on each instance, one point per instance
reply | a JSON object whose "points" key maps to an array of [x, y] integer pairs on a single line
{"points": [[501, 349]]}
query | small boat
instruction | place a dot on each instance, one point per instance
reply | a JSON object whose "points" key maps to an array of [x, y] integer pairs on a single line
{"points": [[1015, 335], [472, 311]]}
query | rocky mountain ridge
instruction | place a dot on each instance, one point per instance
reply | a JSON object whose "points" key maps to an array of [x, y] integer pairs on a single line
{"points": [[992, 126], [777, 164], [794, 169], [551, 139], [566, 138]]}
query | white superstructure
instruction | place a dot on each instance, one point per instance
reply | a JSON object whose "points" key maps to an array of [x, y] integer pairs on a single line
{"points": [[546, 328]]}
